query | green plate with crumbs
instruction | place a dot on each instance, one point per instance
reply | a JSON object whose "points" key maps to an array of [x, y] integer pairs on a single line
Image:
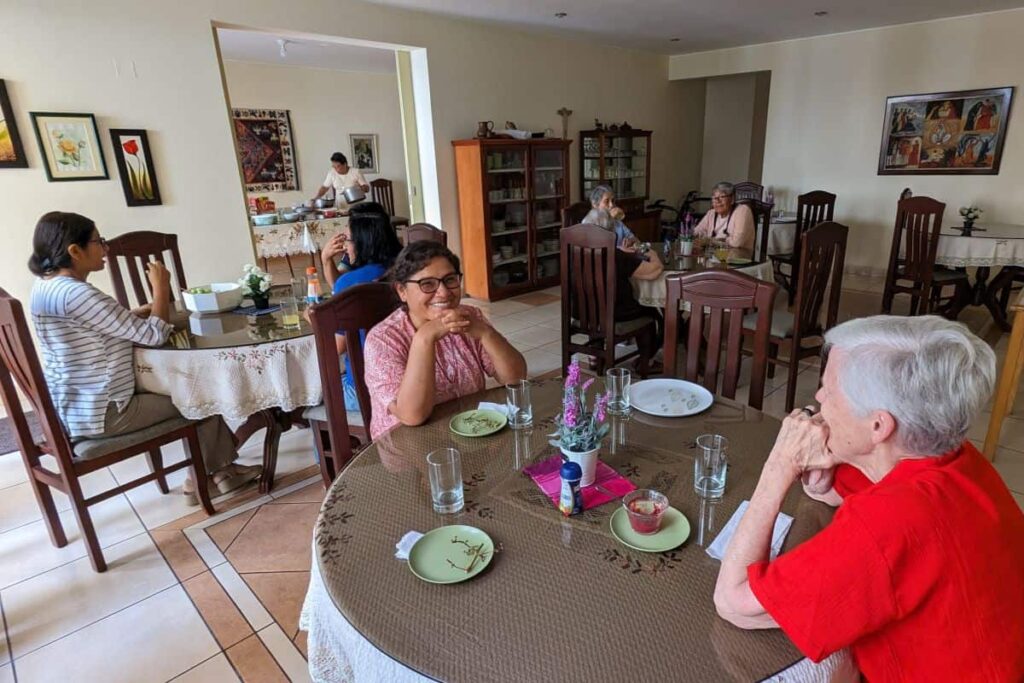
{"points": [[478, 423], [451, 554]]}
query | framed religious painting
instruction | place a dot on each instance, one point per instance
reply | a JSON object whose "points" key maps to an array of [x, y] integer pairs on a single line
{"points": [[12, 153], [135, 166], [70, 145], [364, 151], [266, 150], [945, 133]]}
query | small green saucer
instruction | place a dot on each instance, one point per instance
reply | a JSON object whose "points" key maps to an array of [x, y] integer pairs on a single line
{"points": [[443, 554], [740, 261], [477, 423], [674, 531]]}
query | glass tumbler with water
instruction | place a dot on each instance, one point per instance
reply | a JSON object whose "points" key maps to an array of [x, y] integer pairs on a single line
{"points": [[709, 465], [445, 469], [517, 400], [617, 382]]}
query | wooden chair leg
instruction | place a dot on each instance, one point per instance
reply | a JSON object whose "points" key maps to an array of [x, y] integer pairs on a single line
{"points": [[321, 439], [644, 344], [271, 443], [45, 499], [794, 371], [85, 526], [198, 469], [773, 358], [156, 463]]}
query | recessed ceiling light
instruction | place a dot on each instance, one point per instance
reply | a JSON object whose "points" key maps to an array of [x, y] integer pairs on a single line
{"points": [[820, 13], [673, 40], [560, 15]]}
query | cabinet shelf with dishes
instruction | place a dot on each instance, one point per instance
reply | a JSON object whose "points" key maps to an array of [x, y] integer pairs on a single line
{"points": [[621, 160], [510, 191]]}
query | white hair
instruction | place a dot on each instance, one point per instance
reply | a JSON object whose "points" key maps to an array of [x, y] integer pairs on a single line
{"points": [[931, 374], [728, 189], [601, 218], [598, 193]]}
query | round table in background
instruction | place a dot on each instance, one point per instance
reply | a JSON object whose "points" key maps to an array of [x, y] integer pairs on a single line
{"points": [[561, 598], [652, 293], [990, 245]]}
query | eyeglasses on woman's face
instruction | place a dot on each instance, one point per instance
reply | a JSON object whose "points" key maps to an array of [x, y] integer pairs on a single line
{"points": [[429, 285], [719, 198], [100, 241]]}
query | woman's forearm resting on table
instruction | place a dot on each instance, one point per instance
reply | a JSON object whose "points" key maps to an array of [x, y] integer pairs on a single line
{"points": [[509, 364]]}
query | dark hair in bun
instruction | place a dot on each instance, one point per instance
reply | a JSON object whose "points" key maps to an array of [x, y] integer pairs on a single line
{"points": [[55, 232]]}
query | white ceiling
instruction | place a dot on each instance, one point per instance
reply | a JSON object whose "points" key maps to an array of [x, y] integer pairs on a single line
{"points": [[700, 24], [253, 46]]}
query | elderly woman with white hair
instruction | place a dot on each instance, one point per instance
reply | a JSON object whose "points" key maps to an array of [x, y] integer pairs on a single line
{"points": [[921, 571], [603, 198], [728, 220]]}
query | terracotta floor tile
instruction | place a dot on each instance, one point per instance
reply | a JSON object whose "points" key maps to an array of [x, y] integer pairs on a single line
{"points": [[223, 533], [300, 642], [179, 553], [282, 594], [220, 613], [278, 538], [255, 663], [314, 493], [537, 299], [298, 475]]}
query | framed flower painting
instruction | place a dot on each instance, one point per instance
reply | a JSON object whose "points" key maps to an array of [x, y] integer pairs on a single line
{"points": [[70, 146], [135, 165]]}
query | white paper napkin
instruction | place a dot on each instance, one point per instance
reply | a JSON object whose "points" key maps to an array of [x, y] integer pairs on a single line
{"points": [[403, 547], [782, 524], [497, 407]]}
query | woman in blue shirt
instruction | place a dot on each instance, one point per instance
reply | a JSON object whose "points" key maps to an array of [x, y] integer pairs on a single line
{"points": [[369, 245]]}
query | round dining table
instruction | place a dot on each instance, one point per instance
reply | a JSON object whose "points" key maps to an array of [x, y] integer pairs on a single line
{"points": [[250, 369], [652, 293], [561, 599], [989, 245]]}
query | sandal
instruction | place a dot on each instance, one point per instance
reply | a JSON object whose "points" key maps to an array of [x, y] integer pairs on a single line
{"points": [[234, 477], [191, 497]]}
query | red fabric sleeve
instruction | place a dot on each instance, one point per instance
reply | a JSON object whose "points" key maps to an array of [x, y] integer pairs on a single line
{"points": [[830, 590], [848, 480]]}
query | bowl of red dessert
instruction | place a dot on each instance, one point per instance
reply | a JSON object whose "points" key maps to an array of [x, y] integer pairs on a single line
{"points": [[644, 508]]}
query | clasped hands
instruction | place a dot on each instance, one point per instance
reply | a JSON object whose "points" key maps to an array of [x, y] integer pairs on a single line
{"points": [[801, 449], [456, 321]]}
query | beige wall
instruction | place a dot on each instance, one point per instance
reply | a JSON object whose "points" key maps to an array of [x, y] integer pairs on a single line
{"points": [[825, 116], [153, 65], [728, 127], [325, 106]]}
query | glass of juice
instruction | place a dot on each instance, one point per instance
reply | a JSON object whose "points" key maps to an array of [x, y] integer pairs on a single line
{"points": [[290, 313], [645, 508]]}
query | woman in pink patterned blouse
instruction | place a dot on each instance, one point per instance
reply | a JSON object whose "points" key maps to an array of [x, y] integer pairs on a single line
{"points": [[431, 350]]}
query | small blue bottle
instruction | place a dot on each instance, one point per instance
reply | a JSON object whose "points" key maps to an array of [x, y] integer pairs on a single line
{"points": [[570, 501]]}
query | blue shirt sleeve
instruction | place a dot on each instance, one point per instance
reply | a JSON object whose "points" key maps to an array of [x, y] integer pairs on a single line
{"points": [[368, 273], [622, 233]]}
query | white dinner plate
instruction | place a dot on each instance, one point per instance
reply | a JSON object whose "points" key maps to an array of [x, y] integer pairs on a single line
{"points": [[669, 397]]}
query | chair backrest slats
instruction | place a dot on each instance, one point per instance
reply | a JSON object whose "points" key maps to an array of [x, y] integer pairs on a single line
{"points": [[425, 231], [588, 280], [138, 249], [822, 258], [748, 189], [382, 191]]}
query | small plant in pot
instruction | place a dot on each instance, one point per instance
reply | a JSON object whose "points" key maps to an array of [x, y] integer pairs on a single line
{"points": [[255, 285], [580, 431]]}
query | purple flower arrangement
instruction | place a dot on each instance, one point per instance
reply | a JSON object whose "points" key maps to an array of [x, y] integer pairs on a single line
{"points": [[580, 430]]}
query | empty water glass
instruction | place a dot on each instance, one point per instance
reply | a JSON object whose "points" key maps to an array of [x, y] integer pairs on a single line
{"points": [[517, 399], [709, 465], [298, 288], [617, 382], [444, 466]]}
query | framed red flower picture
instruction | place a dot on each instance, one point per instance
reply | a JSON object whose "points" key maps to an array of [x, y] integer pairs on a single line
{"points": [[135, 165]]}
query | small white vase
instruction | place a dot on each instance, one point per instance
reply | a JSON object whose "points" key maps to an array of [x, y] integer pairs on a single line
{"points": [[686, 247], [587, 460]]}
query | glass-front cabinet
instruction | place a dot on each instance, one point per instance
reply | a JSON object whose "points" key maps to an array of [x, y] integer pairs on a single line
{"points": [[620, 159]]}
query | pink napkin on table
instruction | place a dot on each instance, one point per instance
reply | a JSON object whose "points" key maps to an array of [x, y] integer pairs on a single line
{"points": [[545, 475]]}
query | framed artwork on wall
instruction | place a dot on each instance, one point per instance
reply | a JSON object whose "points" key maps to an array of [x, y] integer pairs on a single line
{"points": [[70, 145], [12, 152], [958, 132], [364, 151], [266, 150], [135, 166]]}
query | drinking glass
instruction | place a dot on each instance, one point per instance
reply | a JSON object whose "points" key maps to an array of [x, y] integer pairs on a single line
{"points": [[617, 381], [709, 465], [517, 399], [444, 467], [299, 290], [290, 313], [722, 251]]}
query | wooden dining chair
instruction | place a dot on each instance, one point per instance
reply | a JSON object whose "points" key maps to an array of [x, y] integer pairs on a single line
{"points": [[822, 257], [352, 314], [812, 208], [383, 192], [718, 301], [913, 272], [762, 226], [74, 460], [748, 189], [575, 213], [425, 231], [137, 249], [588, 302]]}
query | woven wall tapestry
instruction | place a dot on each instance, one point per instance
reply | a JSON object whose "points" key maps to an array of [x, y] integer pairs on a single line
{"points": [[266, 150]]}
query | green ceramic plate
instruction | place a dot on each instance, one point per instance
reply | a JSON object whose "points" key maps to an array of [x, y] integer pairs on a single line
{"points": [[444, 554], [674, 531], [478, 422]]}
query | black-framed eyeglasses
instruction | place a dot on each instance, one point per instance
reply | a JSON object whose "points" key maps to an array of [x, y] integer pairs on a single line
{"points": [[100, 241], [429, 285]]}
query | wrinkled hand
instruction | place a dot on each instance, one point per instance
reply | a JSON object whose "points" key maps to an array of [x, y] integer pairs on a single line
{"points": [[817, 482], [159, 276], [802, 444], [334, 246]]}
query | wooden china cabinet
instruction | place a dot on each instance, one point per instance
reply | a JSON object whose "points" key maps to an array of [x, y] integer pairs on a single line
{"points": [[621, 159], [511, 195]]}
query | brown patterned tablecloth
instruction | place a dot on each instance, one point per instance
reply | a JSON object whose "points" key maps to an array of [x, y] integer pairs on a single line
{"points": [[562, 599]]}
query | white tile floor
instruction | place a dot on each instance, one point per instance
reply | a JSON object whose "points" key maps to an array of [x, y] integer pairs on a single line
{"points": [[61, 621]]}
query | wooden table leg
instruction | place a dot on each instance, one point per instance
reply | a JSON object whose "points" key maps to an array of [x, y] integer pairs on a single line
{"points": [[1006, 388], [276, 422], [991, 296]]}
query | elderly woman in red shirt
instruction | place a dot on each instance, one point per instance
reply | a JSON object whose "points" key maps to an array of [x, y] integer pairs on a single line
{"points": [[920, 572]]}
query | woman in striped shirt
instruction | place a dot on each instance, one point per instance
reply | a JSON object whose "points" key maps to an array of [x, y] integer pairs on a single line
{"points": [[85, 341]]}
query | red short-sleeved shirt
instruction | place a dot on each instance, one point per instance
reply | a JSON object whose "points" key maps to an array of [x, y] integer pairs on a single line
{"points": [[921, 575]]}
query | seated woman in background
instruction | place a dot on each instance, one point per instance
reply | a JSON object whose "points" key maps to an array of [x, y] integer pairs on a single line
{"points": [[628, 264], [727, 220], [335, 267], [431, 350], [85, 342], [602, 197], [370, 245]]}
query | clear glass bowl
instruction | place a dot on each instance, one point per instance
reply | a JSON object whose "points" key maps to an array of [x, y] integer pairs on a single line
{"points": [[645, 508]]}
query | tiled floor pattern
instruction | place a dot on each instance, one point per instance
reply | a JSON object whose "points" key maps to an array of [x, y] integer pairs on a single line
{"points": [[190, 598]]}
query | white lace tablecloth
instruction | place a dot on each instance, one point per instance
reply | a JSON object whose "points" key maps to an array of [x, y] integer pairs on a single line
{"points": [[234, 382], [998, 245], [303, 237], [782, 234], [652, 292]]}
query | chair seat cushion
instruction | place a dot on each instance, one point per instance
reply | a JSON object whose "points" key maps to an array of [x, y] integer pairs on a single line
{"points": [[87, 449], [319, 413], [624, 328]]}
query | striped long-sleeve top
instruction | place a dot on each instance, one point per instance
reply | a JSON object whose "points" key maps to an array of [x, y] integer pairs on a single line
{"points": [[85, 341]]}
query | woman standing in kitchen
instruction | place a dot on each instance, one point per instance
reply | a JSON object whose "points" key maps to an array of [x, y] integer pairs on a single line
{"points": [[340, 178]]}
